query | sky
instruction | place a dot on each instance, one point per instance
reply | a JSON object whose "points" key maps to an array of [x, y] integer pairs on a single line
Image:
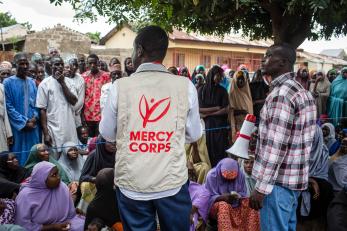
{"points": [[41, 14]]}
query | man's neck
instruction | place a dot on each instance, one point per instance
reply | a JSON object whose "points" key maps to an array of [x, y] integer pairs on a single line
{"points": [[21, 76]]}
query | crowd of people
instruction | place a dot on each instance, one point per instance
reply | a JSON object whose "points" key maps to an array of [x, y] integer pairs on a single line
{"points": [[58, 171]]}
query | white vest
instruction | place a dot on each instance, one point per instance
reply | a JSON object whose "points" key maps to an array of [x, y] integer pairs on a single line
{"points": [[152, 113]]}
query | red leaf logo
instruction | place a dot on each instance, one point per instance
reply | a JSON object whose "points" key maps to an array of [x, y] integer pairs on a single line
{"points": [[149, 110]]}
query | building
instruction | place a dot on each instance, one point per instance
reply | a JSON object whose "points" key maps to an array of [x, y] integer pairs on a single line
{"points": [[66, 40], [318, 62], [12, 37], [336, 53], [193, 49]]}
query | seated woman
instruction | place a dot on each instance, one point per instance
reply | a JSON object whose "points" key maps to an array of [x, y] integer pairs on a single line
{"points": [[337, 212], [228, 204], [44, 203], [314, 202], [7, 211], [197, 155], [330, 138], [102, 157], [200, 197], [338, 166], [104, 205], [11, 174], [38, 153], [72, 163]]}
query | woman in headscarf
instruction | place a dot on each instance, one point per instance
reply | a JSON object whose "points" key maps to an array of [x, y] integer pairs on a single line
{"points": [[38, 153], [228, 205], [331, 75], [104, 205], [11, 174], [71, 161], [316, 198], [337, 103], [200, 197], [200, 69], [259, 90], [128, 66], [303, 77], [240, 101], [7, 211], [102, 157], [44, 203], [213, 103], [330, 138], [320, 89], [337, 168], [183, 71]]}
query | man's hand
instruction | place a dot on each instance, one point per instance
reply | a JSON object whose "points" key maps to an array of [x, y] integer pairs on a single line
{"points": [[9, 141], [315, 187], [48, 140], [29, 125], [256, 200], [33, 120]]}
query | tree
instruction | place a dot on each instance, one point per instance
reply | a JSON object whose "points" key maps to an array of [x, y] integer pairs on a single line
{"points": [[6, 19], [94, 36], [290, 21]]}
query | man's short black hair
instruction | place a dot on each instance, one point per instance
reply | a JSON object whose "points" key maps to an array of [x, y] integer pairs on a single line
{"points": [[19, 56], [286, 51], [93, 56], [154, 41]]}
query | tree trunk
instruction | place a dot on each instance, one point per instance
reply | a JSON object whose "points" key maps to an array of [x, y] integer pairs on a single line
{"points": [[286, 27]]}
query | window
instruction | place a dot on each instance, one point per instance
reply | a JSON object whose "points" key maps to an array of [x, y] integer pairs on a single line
{"points": [[206, 61], [179, 60]]}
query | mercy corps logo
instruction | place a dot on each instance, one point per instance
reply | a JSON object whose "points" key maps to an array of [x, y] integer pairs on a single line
{"points": [[151, 141]]}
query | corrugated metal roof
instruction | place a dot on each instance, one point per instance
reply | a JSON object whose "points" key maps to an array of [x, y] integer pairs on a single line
{"points": [[227, 39], [319, 58], [332, 52]]}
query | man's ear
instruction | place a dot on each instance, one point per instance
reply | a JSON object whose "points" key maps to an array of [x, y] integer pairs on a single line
{"points": [[140, 51]]}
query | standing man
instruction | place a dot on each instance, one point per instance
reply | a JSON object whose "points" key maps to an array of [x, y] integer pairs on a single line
{"points": [[81, 64], [286, 130], [56, 98], [151, 127], [115, 73], [20, 95], [94, 80], [78, 82]]}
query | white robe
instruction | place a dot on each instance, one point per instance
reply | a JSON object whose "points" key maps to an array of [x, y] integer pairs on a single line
{"points": [[5, 127], [78, 81], [60, 113]]}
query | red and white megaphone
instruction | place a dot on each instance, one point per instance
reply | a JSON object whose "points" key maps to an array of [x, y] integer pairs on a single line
{"points": [[240, 147]]}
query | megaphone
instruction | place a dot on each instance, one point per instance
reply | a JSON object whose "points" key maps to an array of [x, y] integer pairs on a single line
{"points": [[240, 147]]}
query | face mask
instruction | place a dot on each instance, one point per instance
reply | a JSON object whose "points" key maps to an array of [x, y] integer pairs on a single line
{"points": [[229, 175]]}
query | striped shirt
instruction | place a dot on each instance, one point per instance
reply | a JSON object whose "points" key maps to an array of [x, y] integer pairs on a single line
{"points": [[286, 130]]}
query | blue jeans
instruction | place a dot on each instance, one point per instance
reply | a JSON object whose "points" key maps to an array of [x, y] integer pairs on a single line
{"points": [[279, 210], [173, 212]]}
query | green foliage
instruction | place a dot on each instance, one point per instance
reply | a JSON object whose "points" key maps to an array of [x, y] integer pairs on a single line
{"points": [[6, 19], [28, 25], [283, 20], [94, 36]]}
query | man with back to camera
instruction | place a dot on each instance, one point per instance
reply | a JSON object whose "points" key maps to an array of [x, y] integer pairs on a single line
{"points": [[151, 116], [286, 130]]}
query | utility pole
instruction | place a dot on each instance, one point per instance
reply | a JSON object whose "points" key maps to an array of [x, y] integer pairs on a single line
{"points": [[2, 40]]}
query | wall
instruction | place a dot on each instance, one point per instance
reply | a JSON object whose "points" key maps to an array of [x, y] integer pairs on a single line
{"points": [[194, 57], [123, 39], [60, 37]]}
